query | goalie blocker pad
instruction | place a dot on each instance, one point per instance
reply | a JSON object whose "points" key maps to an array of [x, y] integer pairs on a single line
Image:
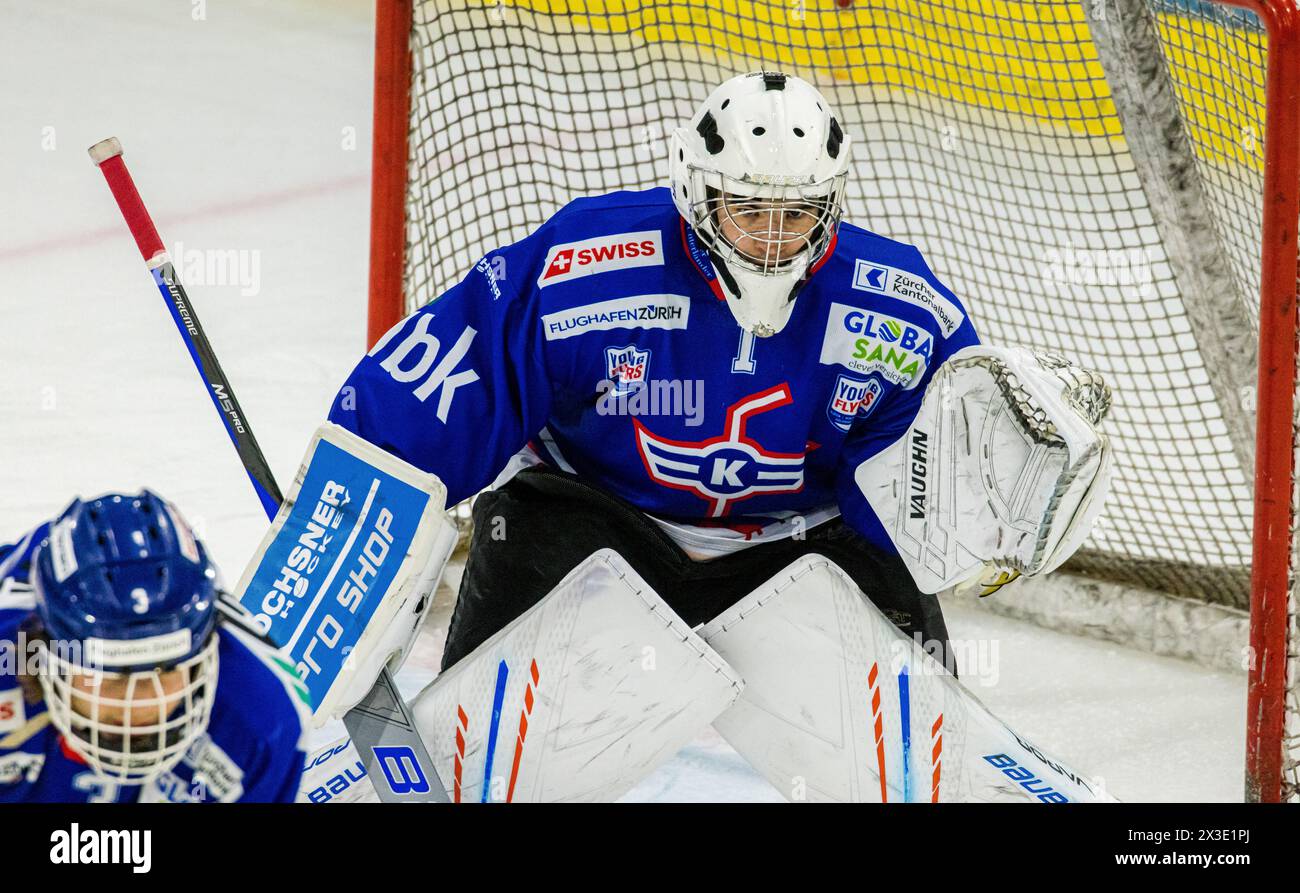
{"points": [[1002, 467], [839, 705], [578, 699], [344, 576]]}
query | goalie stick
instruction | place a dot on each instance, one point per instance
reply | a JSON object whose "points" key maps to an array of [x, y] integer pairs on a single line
{"points": [[381, 724]]}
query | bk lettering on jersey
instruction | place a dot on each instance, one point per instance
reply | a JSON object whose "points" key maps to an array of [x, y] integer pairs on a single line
{"points": [[620, 251], [420, 359]]}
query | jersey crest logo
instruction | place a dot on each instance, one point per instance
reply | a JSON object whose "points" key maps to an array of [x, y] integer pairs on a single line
{"points": [[619, 251], [626, 367], [726, 469], [852, 398]]}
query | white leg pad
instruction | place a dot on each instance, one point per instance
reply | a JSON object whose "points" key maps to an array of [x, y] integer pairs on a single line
{"points": [[578, 699], [839, 705]]}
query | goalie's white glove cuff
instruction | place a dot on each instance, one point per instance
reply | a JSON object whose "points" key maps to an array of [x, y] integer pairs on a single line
{"points": [[1003, 466]]}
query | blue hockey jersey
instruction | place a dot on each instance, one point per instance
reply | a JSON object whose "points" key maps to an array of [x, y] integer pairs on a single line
{"points": [[253, 750], [602, 343]]}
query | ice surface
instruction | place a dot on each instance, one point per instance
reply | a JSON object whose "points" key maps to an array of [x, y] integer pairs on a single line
{"points": [[248, 131]]}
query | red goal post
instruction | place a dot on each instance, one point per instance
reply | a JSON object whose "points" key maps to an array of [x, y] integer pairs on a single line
{"points": [[388, 180], [1184, 544], [1273, 570]]}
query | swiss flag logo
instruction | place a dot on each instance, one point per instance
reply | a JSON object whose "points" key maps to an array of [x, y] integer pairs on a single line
{"points": [[560, 264], [602, 254]]}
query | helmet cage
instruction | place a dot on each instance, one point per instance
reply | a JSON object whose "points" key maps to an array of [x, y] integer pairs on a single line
{"points": [[769, 213], [125, 751]]}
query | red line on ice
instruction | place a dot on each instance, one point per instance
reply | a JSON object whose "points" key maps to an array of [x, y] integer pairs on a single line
{"points": [[218, 209]]}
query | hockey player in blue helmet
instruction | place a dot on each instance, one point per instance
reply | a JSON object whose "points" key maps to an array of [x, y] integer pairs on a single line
{"points": [[136, 680]]}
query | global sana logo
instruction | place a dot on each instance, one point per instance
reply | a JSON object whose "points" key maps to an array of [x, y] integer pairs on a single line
{"points": [[866, 343]]}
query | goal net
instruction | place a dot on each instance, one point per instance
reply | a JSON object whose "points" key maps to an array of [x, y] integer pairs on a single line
{"points": [[1088, 175]]}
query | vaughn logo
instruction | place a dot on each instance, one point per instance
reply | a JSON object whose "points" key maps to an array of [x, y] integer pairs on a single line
{"points": [[916, 475], [620, 251], [78, 847]]}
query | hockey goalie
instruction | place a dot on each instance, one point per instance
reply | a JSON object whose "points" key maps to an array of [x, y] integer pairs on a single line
{"points": [[731, 446]]}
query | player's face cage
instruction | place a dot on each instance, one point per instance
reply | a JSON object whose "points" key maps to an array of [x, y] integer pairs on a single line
{"points": [[765, 227], [132, 726]]}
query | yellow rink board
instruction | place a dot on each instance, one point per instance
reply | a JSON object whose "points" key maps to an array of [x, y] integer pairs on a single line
{"points": [[1033, 59]]}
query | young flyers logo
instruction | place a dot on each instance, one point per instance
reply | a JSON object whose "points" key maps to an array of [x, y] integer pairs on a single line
{"points": [[626, 367], [851, 399]]}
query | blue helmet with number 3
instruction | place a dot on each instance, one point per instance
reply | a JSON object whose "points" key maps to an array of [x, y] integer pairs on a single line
{"points": [[126, 597], [123, 568]]}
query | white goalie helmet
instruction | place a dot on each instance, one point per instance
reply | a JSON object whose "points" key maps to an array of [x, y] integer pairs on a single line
{"points": [[759, 175]]}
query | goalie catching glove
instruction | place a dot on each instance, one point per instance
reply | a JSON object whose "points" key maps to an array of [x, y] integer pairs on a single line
{"points": [[1003, 469]]}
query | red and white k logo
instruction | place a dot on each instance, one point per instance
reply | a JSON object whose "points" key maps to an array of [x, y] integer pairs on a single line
{"points": [[726, 469]]}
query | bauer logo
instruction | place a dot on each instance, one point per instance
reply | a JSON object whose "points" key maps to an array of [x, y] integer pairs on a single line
{"points": [[869, 343], [909, 287], [402, 770], [853, 398], [621, 251], [1035, 787], [639, 312]]}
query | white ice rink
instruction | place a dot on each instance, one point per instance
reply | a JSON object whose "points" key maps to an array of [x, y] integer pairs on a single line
{"points": [[247, 130]]}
